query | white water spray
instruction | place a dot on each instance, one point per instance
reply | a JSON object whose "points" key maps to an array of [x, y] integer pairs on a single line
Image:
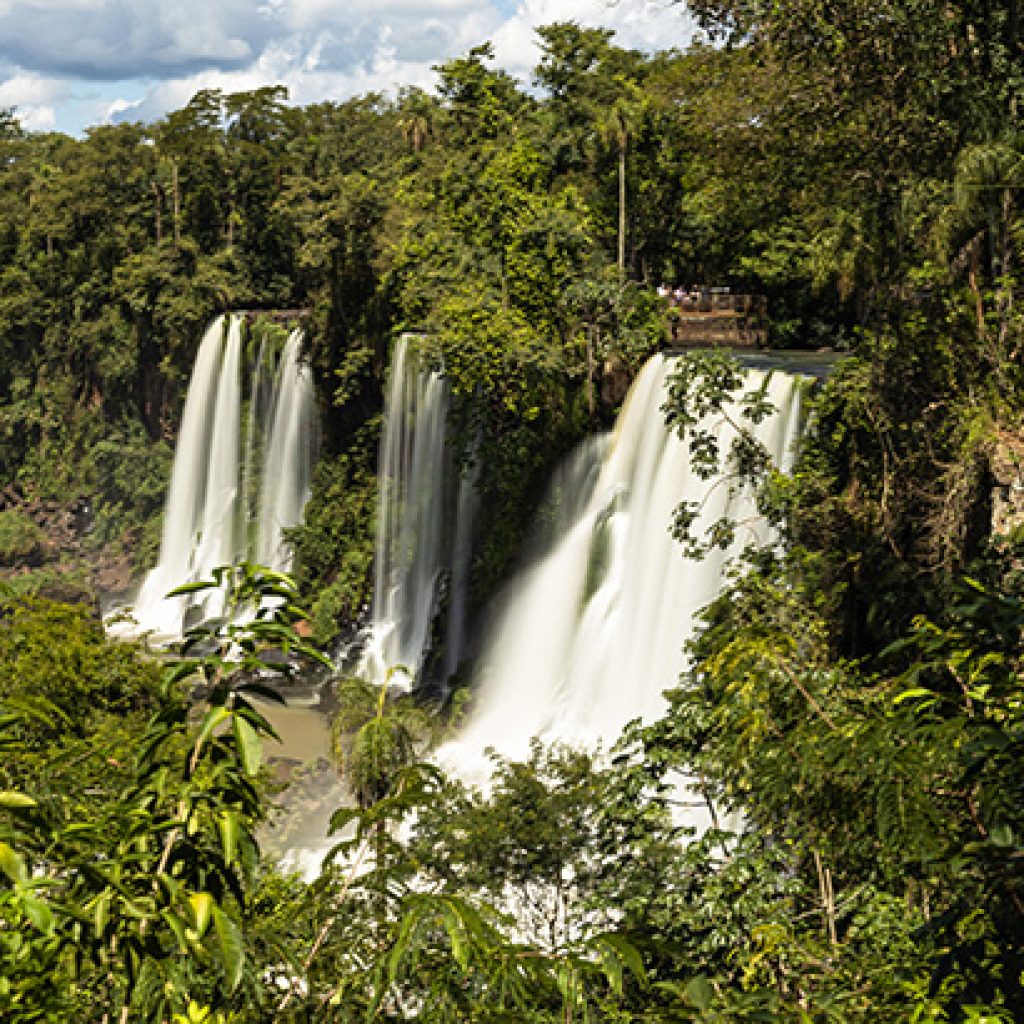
{"points": [[288, 464], [206, 515], [424, 528], [591, 635]]}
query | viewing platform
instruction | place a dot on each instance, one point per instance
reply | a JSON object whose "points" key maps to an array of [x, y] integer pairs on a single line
{"points": [[703, 317], [282, 317]]}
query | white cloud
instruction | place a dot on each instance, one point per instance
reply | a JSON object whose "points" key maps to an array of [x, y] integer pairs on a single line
{"points": [[34, 98], [118, 107], [128, 38], [25, 88], [648, 25], [136, 59], [37, 117]]}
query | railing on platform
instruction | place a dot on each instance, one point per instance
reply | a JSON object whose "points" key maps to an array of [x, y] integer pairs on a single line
{"points": [[702, 317], [277, 316]]}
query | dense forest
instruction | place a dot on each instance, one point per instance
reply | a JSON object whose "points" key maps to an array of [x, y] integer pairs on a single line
{"points": [[854, 695]]}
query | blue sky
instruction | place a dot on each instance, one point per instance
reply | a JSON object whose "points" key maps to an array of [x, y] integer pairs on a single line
{"points": [[68, 64]]}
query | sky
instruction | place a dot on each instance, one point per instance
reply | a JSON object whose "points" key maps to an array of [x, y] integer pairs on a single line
{"points": [[68, 64]]}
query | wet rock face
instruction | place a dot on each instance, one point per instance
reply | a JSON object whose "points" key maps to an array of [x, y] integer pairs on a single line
{"points": [[615, 381], [1007, 465], [43, 550], [49, 528]]}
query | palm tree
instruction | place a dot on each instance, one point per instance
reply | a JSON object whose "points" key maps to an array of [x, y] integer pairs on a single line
{"points": [[986, 176], [416, 117], [617, 128]]}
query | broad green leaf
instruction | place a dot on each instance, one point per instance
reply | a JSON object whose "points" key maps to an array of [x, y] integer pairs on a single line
{"points": [[249, 747], [179, 927], [699, 992], [1002, 835], [917, 693], [457, 936], [229, 947], [214, 717], [229, 827], [11, 798], [626, 952], [39, 913], [403, 944], [101, 912], [611, 966], [192, 588], [183, 670], [11, 864], [342, 817], [202, 904], [268, 693]]}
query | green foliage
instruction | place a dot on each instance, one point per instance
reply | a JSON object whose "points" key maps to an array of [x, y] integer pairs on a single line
{"points": [[877, 784], [132, 472], [143, 889], [54, 583], [81, 676], [705, 396], [859, 165], [22, 542], [334, 544], [375, 734], [567, 846], [388, 944]]}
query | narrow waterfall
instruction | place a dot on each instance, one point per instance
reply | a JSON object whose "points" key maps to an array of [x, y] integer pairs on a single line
{"points": [[592, 633], [424, 526], [224, 469], [288, 464], [466, 508], [216, 537]]}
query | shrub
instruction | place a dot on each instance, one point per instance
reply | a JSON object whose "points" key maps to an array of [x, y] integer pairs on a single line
{"points": [[22, 542]]}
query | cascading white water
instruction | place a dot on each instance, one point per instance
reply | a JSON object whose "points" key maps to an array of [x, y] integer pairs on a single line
{"points": [[425, 524], [216, 534], [259, 397], [288, 465], [206, 515], [466, 509], [186, 494], [409, 555], [590, 635]]}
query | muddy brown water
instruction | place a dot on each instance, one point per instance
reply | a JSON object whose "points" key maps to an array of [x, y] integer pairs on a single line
{"points": [[297, 833]]}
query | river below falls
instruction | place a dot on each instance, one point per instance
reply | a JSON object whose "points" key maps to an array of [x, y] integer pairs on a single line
{"points": [[301, 762]]}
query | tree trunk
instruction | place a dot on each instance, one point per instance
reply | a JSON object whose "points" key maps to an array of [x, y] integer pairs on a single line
{"points": [[973, 278], [622, 208], [158, 208], [177, 201], [590, 370], [1005, 301]]}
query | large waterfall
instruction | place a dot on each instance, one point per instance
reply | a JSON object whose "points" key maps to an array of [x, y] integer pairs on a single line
{"points": [[592, 632], [424, 526], [239, 478]]}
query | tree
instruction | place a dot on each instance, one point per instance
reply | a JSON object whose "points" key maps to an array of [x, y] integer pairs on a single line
{"points": [[140, 899], [417, 112], [618, 127]]}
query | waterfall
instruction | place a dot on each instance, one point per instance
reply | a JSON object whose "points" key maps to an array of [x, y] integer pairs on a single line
{"points": [[466, 508], [215, 534], [223, 469], [592, 632], [426, 516], [288, 465]]}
